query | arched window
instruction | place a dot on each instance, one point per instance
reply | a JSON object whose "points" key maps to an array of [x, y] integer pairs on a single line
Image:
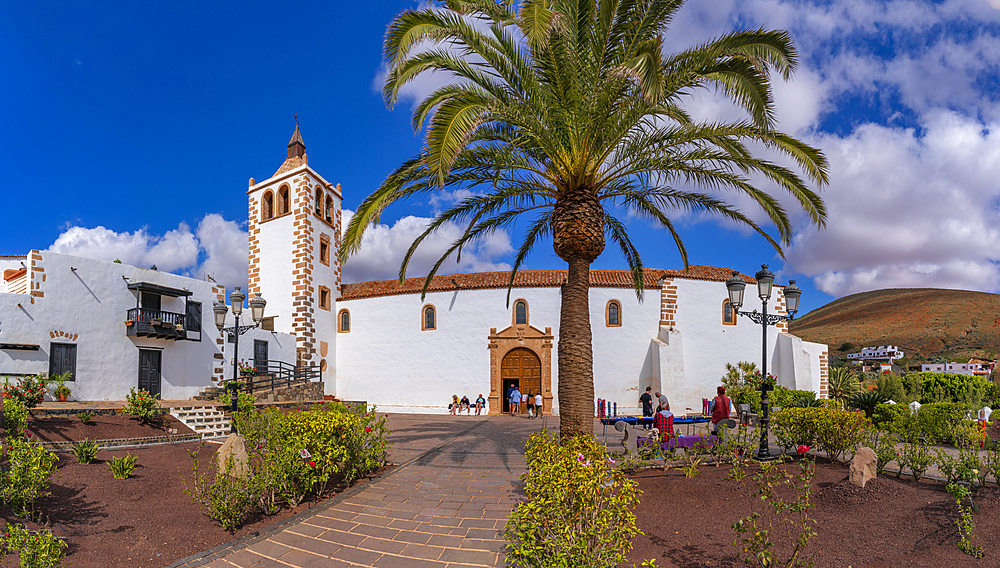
{"points": [[267, 206], [328, 211], [429, 320], [520, 312], [344, 321], [283, 200], [613, 314], [728, 313], [319, 200]]}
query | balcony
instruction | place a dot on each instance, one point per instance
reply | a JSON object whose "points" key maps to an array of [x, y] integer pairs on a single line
{"points": [[142, 322]]}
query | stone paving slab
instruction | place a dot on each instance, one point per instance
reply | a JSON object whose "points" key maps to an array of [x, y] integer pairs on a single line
{"points": [[444, 506]]}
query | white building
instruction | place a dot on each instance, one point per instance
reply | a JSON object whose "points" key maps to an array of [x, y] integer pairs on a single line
{"points": [[882, 352], [379, 341], [973, 367], [114, 327]]}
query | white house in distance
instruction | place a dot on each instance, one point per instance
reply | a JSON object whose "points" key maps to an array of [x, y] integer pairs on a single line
{"points": [[978, 367], [881, 353], [379, 341]]}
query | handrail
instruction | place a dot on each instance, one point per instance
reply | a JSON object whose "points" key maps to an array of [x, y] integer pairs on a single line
{"points": [[281, 374], [146, 315]]}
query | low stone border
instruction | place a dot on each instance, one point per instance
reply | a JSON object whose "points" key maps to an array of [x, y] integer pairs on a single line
{"points": [[125, 442]]}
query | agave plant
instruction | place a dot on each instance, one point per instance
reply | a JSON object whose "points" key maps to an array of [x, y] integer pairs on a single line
{"points": [[842, 384], [867, 401]]}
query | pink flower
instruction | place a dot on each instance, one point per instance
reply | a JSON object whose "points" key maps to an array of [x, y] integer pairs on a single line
{"points": [[803, 449]]}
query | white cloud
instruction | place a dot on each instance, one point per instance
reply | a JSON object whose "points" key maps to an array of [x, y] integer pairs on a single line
{"points": [[384, 247], [908, 211], [173, 251], [218, 247]]}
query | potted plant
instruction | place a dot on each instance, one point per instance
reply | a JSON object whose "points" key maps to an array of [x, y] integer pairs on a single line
{"points": [[129, 323], [179, 327], [62, 391]]}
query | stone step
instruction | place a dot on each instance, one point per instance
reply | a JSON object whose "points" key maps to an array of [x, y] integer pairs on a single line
{"points": [[204, 420]]}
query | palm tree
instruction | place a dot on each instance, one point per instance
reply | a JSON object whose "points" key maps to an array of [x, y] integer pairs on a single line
{"points": [[842, 384], [568, 113]]}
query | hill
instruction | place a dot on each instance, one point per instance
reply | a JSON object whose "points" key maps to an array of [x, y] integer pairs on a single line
{"points": [[923, 322]]}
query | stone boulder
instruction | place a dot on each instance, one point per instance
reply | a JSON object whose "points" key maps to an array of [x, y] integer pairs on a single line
{"points": [[863, 466], [235, 449]]}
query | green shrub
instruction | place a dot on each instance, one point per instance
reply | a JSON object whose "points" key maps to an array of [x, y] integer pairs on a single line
{"points": [[39, 550], [16, 415], [934, 423], [991, 466], [142, 405], [786, 398], [85, 451], [29, 468], [965, 467], [579, 508], [228, 498], [885, 415], [29, 390], [833, 431], [85, 416], [737, 381], [365, 440], [244, 402], [952, 387], [884, 445], [123, 466], [915, 457]]}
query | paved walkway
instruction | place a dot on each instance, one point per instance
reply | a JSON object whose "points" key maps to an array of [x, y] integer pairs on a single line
{"points": [[445, 505]]}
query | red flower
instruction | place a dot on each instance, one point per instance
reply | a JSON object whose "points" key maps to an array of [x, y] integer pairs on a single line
{"points": [[803, 449], [312, 463], [368, 429]]}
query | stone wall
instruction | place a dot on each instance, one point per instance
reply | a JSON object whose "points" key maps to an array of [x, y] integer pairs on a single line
{"points": [[301, 392]]}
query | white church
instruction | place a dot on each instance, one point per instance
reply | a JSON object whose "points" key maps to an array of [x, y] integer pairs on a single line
{"points": [[379, 341]]}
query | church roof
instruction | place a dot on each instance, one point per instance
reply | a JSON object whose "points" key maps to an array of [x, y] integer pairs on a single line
{"points": [[296, 152], [529, 279]]}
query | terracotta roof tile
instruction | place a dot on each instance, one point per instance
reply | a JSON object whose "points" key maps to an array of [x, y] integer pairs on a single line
{"points": [[290, 164], [528, 279]]}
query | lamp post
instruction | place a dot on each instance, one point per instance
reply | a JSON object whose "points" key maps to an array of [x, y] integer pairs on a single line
{"points": [[765, 278], [257, 313]]}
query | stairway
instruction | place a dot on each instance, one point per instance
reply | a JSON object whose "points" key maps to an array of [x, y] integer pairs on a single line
{"points": [[204, 420], [211, 394]]}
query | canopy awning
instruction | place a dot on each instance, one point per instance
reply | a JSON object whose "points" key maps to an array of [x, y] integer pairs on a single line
{"points": [[159, 289]]}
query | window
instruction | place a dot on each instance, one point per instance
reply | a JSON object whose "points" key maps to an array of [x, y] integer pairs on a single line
{"points": [[344, 323], [62, 359], [613, 314], [283, 200], [728, 313], [520, 312], [267, 206], [324, 297], [429, 320], [193, 316], [324, 249], [328, 210], [319, 201]]}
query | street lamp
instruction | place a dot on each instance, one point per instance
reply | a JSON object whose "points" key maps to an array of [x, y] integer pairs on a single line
{"points": [[257, 313], [765, 278]]}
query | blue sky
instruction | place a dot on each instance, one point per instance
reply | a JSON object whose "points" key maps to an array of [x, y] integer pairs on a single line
{"points": [[130, 131]]}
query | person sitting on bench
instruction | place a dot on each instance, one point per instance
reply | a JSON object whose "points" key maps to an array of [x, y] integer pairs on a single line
{"points": [[721, 405]]}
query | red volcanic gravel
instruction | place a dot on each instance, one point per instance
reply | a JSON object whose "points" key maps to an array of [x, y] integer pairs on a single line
{"points": [[890, 523]]}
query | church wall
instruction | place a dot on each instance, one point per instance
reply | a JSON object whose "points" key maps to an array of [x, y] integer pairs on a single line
{"points": [[386, 358], [86, 307], [274, 279], [621, 372]]}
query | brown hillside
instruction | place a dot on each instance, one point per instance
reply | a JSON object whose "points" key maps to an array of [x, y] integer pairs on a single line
{"points": [[922, 321]]}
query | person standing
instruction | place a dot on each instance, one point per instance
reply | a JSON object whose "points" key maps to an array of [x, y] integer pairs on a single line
{"points": [[510, 392], [661, 401], [480, 404], [515, 402], [529, 401], [646, 401], [538, 404]]}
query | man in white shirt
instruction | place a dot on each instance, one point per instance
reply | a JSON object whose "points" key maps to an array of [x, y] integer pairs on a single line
{"points": [[538, 404]]}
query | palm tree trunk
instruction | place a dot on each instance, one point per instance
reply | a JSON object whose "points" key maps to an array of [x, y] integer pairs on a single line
{"points": [[576, 354]]}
